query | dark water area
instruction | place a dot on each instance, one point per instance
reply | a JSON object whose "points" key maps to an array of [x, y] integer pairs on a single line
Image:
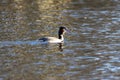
{"points": [[91, 50]]}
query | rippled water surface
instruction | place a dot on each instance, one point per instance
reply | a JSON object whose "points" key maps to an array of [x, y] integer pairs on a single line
{"points": [[91, 50]]}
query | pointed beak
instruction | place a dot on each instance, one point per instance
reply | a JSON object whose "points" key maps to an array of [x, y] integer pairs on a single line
{"points": [[67, 30]]}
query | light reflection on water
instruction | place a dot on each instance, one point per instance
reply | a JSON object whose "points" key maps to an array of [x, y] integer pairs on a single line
{"points": [[91, 50]]}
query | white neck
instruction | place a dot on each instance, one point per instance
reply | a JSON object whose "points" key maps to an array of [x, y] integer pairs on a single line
{"points": [[62, 38]]}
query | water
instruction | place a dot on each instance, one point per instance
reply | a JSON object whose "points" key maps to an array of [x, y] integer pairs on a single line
{"points": [[91, 50]]}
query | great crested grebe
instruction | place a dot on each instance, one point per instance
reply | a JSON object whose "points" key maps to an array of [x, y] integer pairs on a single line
{"points": [[60, 38]]}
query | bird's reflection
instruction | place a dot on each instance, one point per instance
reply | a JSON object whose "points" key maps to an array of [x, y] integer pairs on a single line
{"points": [[56, 47], [61, 47]]}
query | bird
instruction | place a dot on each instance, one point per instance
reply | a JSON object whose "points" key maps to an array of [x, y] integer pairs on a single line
{"points": [[62, 30]]}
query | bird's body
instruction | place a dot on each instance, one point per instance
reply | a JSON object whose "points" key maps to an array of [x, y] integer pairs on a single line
{"points": [[60, 38], [51, 40]]}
